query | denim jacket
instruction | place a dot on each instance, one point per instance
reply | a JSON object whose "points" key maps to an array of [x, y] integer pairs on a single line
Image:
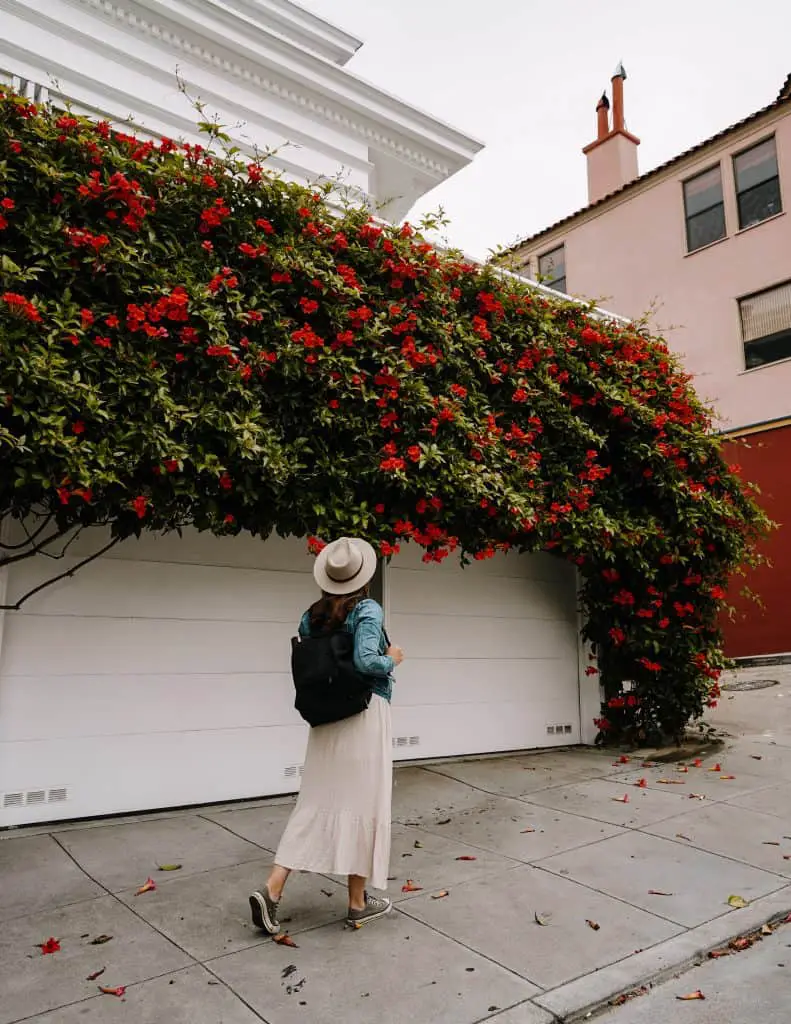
{"points": [[366, 621]]}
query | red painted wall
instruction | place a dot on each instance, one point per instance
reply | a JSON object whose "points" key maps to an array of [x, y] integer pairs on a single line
{"points": [[755, 631]]}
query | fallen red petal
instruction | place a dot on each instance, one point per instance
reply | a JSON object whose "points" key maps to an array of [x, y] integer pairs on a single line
{"points": [[285, 940], [691, 995], [96, 974], [622, 799], [119, 991], [411, 887], [440, 895], [50, 946], [466, 857], [642, 783], [148, 886]]}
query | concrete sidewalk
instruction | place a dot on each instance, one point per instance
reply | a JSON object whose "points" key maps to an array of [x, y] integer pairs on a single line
{"points": [[507, 838]]}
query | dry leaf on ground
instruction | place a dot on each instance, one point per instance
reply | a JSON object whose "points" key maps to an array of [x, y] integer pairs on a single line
{"points": [[738, 902], [100, 940], [658, 892], [593, 925], [96, 974], [169, 867], [543, 919], [671, 782], [440, 895]]}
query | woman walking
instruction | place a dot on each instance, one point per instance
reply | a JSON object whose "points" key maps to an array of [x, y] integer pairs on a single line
{"points": [[341, 822]]}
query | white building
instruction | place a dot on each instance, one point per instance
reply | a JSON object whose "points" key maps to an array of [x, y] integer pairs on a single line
{"points": [[159, 676]]}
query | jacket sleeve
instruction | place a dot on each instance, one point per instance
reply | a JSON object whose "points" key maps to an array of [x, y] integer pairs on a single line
{"points": [[367, 640], [304, 625]]}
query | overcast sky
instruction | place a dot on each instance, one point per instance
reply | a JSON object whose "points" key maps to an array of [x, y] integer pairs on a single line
{"points": [[524, 77]]}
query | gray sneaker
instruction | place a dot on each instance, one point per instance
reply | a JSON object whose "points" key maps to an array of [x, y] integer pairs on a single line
{"points": [[264, 911], [374, 907]]}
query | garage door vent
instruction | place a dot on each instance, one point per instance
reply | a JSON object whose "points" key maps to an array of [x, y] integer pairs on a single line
{"points": [[35, 797], [406, 741], [294, 771], [560, 730]]}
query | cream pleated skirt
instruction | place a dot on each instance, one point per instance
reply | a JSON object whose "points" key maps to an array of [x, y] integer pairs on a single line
{"points": [[341, 822]]}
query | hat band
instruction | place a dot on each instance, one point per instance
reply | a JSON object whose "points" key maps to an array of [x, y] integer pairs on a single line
{"points": [[346, 579]]}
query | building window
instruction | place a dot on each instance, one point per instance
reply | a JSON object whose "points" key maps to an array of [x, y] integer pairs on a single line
{"points": [[757, 184], [704, 209], [766, 326], [552, 269]]}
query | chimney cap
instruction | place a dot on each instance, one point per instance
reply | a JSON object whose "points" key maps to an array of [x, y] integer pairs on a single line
{"points": [[603, 102], [620, 71]]}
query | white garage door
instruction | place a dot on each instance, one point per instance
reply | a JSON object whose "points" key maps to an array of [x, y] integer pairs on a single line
{"points": [[492, 655], [159, 676]]}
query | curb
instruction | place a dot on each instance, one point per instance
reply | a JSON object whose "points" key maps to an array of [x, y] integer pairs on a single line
{"points": [[593, 993]]}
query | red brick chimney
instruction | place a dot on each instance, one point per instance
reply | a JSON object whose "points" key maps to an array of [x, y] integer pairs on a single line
{"points": [[612, 158]]}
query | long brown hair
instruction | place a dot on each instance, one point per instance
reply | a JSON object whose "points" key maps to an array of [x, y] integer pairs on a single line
{"points": [[331, 610]]}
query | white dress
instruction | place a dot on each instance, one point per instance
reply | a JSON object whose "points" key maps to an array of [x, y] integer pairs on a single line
{"points": [[341, 822]]}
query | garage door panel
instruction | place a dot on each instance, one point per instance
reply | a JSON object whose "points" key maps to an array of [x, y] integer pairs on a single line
{"points": [[512, 564], [40, 707], [434, 731], [123, 774], [441, 637], [449, 594], [62, 645], [200, 548], [468, 682], [150, 590]]}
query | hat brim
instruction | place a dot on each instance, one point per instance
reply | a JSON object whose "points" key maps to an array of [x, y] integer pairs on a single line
{"points": [[340, 587]]}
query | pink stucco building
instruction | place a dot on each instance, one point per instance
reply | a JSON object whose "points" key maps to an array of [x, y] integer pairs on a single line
{"points": [[703, 245]]}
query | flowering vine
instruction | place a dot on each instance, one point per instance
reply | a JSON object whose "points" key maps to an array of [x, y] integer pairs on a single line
{"points": [[186, 340]]}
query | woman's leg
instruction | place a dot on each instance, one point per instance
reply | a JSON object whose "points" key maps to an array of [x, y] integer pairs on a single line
{"points": [[356, 892], [276, 882]]}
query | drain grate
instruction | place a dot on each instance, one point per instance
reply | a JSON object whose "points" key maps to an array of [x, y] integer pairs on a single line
{"points": [[750, 684]]}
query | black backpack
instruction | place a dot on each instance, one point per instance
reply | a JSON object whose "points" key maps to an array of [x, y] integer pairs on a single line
{"points": [[328, 686]]}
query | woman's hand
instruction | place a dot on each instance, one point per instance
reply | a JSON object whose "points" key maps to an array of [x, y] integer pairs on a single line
{"points": [[395, 653]]}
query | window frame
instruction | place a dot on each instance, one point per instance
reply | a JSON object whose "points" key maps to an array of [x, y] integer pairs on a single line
{"points": [[689, 217], [778, 335], [561, 247], [774, 178]]}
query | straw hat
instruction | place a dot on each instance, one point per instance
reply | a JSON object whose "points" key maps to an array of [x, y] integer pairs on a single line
{"points": [[345, 566]]}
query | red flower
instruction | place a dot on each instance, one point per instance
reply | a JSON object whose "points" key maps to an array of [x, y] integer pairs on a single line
{"points": [[333, 403], [50, 946], [101, 342], [265, 226], [315, 545], [229, 520], [718, 593], [386, 549], [225, 481], [281, 277], [391, 465], [78, 427], [591, 671], [458, 390], [3, 223], [23, 305], [140, 505], [624, 597], [308, 306], [379, 509], [652, 666], [617, 636], [611, 575], [171, 465], [8, 204], [87, 317], [414, 452]]}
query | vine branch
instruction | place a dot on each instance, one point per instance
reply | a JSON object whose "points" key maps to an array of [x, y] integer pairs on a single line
{"points": [[56, 579]]}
